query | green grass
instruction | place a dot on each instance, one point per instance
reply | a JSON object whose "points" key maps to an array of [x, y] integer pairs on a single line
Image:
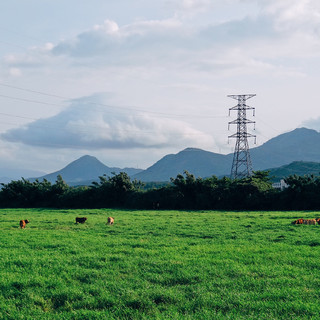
{"points": [[158, 265]]}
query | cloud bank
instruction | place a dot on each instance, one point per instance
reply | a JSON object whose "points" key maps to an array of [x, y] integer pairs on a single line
{"points": [[274, 36], [88, 123]]}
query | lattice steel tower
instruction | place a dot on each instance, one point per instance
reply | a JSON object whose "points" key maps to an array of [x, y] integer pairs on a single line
{"points": [[241, 164]]}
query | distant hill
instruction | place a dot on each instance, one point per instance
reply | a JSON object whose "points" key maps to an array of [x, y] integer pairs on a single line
{"points": [[196, 161], [299, 168], [85, 170], [301, 144], [298, 145]]}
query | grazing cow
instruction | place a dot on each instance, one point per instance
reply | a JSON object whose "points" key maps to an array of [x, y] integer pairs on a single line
{"points": [[23, 223], [310, 221], [318, 220], [81, 220], [110, 220], [299, 221]]}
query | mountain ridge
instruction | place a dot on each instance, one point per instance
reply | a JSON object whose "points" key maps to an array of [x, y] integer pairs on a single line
{"points": [[301, 144], [86, 168]]}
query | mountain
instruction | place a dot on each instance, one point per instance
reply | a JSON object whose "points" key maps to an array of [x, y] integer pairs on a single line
{"points": [[301, 144], [196, 161], [299, 168], [298, 145], [85, 170]]}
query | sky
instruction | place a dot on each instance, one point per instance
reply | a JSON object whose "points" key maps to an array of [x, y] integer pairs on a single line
{"points": [[132, 81]]}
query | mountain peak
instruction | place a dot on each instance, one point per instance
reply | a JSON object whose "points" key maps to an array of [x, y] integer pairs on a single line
{"points": [[304, 129], [191, 149], [86, 159], [86, 168], [296, 138], [301, 132]]}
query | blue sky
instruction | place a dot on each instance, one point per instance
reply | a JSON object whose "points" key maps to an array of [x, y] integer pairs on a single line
{"points": [[131, 81]]}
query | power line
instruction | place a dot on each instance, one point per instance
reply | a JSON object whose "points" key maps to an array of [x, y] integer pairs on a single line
{"points": [[32, 91], [13, 45], [28, 100], [15, 116], [129, 108]]}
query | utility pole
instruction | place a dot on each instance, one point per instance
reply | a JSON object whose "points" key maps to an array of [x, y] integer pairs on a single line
{"points": [[241, 164]]}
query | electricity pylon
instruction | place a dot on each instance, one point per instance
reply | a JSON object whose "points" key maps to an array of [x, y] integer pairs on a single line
{"points": [[241, 164]]}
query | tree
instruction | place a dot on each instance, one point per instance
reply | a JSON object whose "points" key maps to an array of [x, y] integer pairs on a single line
{"points": [[60, 187]]}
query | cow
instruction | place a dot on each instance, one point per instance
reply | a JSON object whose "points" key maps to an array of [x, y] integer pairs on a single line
{"points": [[299, 221], [318, 220], [81, 220], [23, 223], [310, 221], [110, 220]]}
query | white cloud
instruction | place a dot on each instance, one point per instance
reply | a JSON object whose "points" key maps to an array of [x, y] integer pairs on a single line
{"points": [[89, 124], [174, 44], [109, 27], [158, 38], [34, 57], [109, 39], [15, 72], [194, 4], [295, 15]]}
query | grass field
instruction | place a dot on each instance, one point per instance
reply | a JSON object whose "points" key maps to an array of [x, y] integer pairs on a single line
{"points": [[158, 265]]}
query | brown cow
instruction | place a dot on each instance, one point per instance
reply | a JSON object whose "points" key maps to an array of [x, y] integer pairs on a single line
{"points": [[23, 223], [110, 220], [318, 220], [310, 221], [81, 220], [299, 221]]}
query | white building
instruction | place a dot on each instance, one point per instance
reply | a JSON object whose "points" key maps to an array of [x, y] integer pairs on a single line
{"points": [[280, 185]]}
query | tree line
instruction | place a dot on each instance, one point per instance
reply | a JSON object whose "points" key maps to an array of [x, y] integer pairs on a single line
{"points": [[183, 192]]}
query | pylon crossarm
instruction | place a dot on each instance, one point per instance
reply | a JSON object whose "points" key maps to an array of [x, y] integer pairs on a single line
{"points": [[241, 96], [241, 121], [244, 107]]}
